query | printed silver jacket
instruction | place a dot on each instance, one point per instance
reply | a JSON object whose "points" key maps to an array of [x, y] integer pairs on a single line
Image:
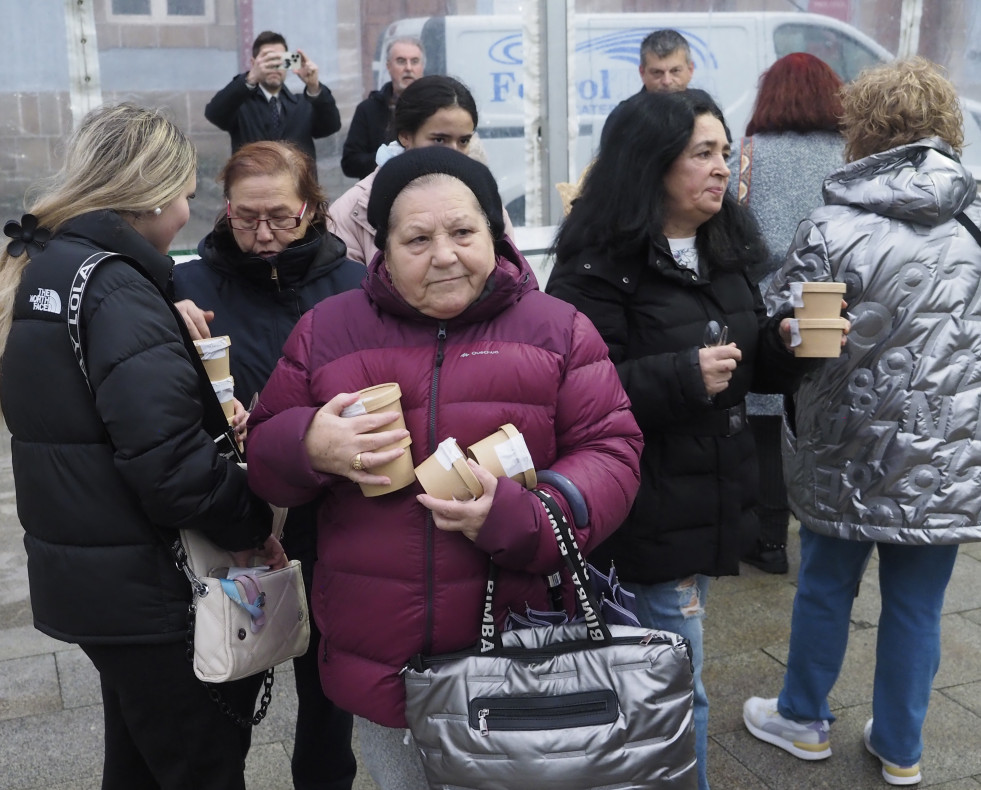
{"points": [[888, 436]]}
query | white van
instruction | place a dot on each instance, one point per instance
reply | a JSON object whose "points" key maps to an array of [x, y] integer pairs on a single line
{"points": [[729, 50]]}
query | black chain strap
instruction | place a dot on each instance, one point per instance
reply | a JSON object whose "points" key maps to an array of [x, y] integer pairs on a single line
{"points": [[267, 682]]}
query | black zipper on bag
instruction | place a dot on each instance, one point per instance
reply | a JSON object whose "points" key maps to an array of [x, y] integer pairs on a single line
{"points": [[585, 709]]}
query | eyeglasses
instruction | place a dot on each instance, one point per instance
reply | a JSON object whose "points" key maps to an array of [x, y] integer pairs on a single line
{"points": [[274, 223]]}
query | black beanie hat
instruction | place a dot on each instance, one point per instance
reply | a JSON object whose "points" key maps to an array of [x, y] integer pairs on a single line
{"points": [[396, 173]]}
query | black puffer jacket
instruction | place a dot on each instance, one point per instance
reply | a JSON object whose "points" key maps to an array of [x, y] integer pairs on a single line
{"points": [[371, 126], [103, 482], [257, 302], [698, 484]]}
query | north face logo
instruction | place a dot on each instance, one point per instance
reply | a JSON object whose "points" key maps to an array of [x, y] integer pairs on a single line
{"points": [[46, 301]]}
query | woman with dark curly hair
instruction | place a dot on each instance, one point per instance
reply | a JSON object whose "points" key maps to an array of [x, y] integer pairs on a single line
{"points": [[886, 448], [655, 252]]}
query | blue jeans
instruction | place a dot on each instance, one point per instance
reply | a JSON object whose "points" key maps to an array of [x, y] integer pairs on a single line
{"points": [[679, 606], [912, 581]]}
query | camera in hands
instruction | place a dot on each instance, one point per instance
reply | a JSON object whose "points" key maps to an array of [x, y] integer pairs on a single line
{"points": [[291, 60]]}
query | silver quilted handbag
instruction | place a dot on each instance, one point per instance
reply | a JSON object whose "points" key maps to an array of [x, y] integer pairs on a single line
{"points": [[570, 707]]}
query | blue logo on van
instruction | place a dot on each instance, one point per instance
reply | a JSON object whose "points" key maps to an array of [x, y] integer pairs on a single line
{"points": [[624, 46], [507, 50]]}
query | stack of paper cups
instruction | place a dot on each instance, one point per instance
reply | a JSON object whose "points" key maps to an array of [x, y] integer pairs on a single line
{"points": [[214, 353], [817, 325]]}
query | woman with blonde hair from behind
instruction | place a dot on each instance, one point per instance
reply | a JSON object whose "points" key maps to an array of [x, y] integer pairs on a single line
{"points": [[109, 464], [885, 450]]}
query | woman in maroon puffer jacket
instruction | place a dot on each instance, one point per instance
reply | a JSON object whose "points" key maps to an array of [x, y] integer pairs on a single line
{"points": [[451, 312]]}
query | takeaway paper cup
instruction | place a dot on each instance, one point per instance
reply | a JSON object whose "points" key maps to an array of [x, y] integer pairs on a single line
{"points": [[819, 337], [225, 390], [214, 353], [817, 300], [385, 397], [445, 474], [505, 454]]}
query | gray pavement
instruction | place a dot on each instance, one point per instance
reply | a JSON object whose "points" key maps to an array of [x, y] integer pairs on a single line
{"points": [[51, 713]]}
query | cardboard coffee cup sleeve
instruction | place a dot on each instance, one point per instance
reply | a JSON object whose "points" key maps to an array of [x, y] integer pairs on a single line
{"points": [[795, 338], [224, 389], [514, 456], [797, 294], [213, 347]]}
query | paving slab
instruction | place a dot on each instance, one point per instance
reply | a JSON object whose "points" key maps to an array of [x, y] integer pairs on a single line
{"points": [[79, 679], [20, 641], [29, 686], [64, 747]]}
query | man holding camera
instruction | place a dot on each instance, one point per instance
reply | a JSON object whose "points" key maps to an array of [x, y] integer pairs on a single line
{"points": [[257, 105]]}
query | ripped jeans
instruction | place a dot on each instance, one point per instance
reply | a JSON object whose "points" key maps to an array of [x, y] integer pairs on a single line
{"points": [[679, 606]]}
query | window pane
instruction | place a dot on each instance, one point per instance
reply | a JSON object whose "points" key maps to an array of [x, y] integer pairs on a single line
{"points": [[131, 7], [845, 55], [185, 7]]}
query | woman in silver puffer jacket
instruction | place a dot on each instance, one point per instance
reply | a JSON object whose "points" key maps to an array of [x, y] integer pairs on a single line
{"points": [[884, 448]]}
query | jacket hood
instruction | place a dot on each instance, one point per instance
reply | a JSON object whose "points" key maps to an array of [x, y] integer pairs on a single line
{"points": [[511, 279], [922, 183], [312, 256]]}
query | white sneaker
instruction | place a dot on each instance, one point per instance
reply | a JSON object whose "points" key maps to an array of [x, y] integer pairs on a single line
{"points": [[893, 774], [807, 740]]}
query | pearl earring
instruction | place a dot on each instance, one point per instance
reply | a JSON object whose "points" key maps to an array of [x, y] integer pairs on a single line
{"points": [[158, 211]]}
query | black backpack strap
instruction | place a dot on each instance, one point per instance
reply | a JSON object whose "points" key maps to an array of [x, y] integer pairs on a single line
{"points": [[973, 229], [215, 422]]}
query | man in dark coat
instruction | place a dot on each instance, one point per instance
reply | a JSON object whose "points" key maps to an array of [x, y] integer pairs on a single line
{"points": [[665, 65], [371, 125], [257, 105]]}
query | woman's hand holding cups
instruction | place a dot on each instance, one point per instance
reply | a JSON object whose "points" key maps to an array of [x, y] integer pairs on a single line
{"points": [[346, 446], [463, 516]]}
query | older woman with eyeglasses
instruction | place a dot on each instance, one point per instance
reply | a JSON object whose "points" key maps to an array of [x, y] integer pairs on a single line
{"points": [[269, 259]]}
